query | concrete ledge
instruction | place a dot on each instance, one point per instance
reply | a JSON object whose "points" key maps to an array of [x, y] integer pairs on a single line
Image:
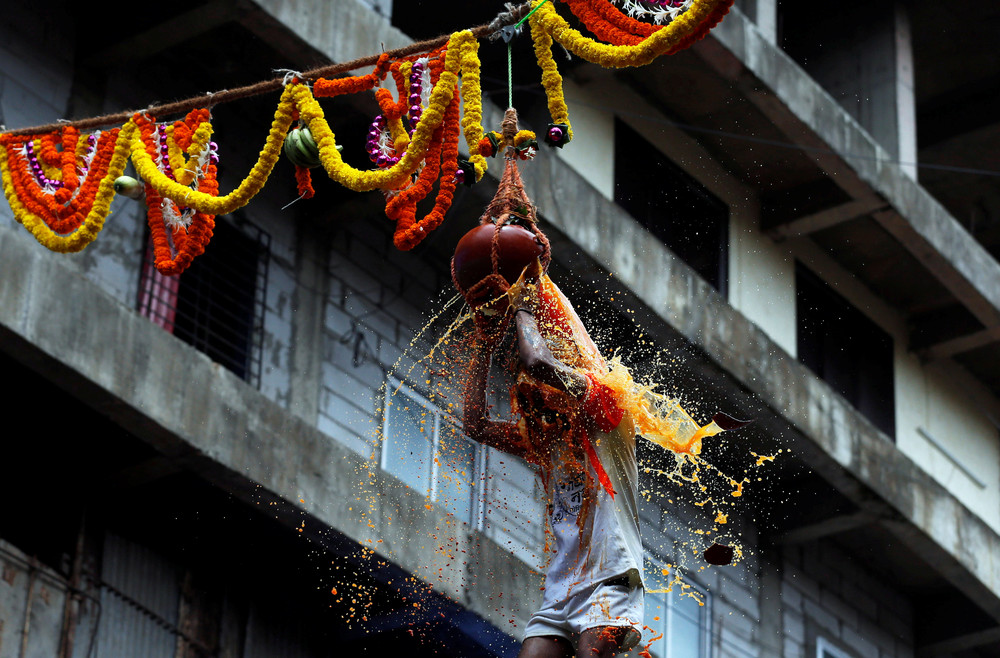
{"points": [[209, 421], [342, 31], [811, 117]]}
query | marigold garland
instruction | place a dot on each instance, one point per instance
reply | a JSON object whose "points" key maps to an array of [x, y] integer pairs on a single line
{"points": [[551, 79], [177, 243], [246, 190], [402, 208], [90, 206], [609, 24], [60, 185], [693, 24], [46, 180], [395, 176], [472, 97], [324, 88], [626, 49]]}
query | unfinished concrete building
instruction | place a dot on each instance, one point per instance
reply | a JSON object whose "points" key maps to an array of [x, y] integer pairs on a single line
{"points": [[802, 210]]}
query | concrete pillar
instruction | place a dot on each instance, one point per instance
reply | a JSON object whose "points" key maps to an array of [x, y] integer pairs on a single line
{"points": [[906, 105], [764, 13], [311, 250]]}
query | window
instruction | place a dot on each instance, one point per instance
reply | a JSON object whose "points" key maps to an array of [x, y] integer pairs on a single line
{"points": [[672, 205], [682, 619], [424, 447], [845, 349], [217, 304], [826, 650], [493, 492]]}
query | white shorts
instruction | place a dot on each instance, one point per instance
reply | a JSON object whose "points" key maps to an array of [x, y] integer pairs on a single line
{"points": [[608, 603]]}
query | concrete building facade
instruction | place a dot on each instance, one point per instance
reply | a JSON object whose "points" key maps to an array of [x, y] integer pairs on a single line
{"points": [[795, 221]]}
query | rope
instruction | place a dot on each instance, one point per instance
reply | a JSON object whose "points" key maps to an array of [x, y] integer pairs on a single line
{"points": [[268, 86], [508, 127], [510, 77], [508, 35]]}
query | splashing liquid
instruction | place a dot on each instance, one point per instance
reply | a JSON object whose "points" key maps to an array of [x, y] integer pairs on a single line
{"points": [[436, 362]]}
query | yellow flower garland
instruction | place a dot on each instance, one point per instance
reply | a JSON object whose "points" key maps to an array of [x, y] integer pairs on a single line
{"points": [[472, 98], [246, 190], [398, 174], [184, 170], [462, 58], [551, 79], [87, 233], [548, 26], [550, 22]]}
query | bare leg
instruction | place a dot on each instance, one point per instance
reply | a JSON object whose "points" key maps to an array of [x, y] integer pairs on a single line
{"points": [[548, 646], [603, 642]]}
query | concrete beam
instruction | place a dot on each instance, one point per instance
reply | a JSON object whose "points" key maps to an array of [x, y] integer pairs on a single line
{"points": [[170, 32], [947, 271], [359, 30], [827, 527], [949, 348], [823, 219], [204, 419], [812, 119], [964, 642]]}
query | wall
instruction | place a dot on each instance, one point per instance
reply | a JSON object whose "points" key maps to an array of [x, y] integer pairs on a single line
{"points": [[762, 288], [827, 593], [928, 395]]}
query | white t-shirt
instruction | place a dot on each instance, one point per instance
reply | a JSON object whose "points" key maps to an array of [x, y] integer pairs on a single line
{"points": [[606, 543]]}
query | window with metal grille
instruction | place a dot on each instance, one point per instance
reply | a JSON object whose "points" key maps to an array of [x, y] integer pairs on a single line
{"points": [[217, 304], [673, 206], [845, 349], [682, 617]]}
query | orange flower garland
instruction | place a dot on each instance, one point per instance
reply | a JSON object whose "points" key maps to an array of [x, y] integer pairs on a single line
{"points": [[443, 157], [324, 88], [62, 213], [394, 176], [213, 204], [174, 251]]}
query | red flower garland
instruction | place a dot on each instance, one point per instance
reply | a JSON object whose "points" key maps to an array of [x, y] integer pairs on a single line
{"points": [[609, 24], [303, 181]]}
